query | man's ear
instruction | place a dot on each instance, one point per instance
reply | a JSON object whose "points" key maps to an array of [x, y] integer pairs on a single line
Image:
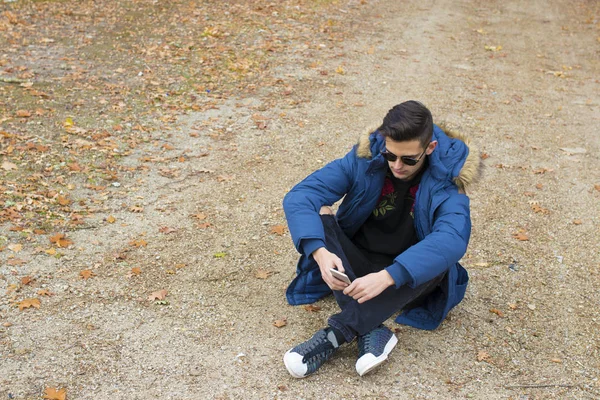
{"points": [[431, 147]]}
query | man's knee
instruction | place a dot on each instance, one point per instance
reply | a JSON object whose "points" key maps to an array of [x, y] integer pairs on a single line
{"points": [[326, 210]]}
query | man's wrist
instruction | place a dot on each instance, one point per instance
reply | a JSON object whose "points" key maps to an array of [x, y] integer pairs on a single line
{"points": [[389, 281]]}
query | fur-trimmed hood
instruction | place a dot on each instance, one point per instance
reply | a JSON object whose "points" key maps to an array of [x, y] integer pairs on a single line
{"points": [[370, 145]]}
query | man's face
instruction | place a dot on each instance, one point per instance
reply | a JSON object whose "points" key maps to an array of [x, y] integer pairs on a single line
{"points": [[411, 149]]}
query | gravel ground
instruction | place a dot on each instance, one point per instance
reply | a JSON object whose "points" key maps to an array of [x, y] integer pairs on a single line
{"points": [[520, 78]]}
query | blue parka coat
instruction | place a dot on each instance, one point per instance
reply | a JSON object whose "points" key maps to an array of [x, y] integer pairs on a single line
{"points": [[441, 213]]}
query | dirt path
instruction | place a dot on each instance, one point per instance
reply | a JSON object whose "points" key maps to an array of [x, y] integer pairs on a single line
{"points": [[520, 78]]}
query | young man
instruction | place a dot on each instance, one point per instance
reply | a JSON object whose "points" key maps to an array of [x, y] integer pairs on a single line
{"points": [[398, 235]]}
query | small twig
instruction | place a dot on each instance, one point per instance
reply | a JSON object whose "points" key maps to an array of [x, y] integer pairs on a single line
{"points": [[11, 80], [530, 386]]}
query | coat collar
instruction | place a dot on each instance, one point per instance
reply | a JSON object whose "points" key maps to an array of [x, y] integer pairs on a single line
{"points": [[455, 157]]}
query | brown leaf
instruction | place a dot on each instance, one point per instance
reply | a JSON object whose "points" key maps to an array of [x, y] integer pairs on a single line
{"points": [[483, 356], [513, 306], [166, 230], [520, 236], [280, 322], [159, 295], [55, 394], [136, 271], [312, 308], [539, 186], [44, 292], [485, 156], [597, 187], [136, 209], [26, 280], [16, 247], [27, 303], [556, 360], [497, 312], [60, 240], [7, 166], [577, 222], [86, 274], [225, 178], [63, 201], [262, 273], [278, 229], [23, 113], [199, 216], [204, 225], [15, 261]]}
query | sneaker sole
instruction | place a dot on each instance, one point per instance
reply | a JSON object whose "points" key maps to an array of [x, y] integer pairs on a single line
{"points": [[369, 362]]}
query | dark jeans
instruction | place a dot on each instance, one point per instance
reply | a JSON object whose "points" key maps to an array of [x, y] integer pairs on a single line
{"points": [[358, 319]]}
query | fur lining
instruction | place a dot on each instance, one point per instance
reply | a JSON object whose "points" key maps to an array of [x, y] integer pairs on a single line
{"points": [[470, 172], [364, 144], [473, 166]]}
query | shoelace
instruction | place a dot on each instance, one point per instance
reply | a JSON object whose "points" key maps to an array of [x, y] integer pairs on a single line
{"points": [[318, 351]]}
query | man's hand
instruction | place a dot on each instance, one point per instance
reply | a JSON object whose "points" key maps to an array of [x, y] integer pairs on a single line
{"points": [[327, 260], [369, 286]]}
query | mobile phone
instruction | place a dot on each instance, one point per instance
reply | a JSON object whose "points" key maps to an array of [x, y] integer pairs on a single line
{"points": [[340, 275]]}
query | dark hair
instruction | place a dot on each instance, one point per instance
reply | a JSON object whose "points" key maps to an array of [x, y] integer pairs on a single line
{"points": [[408, 121]]}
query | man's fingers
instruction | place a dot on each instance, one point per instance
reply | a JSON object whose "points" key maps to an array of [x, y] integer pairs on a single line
{"points": [[338, 263]]}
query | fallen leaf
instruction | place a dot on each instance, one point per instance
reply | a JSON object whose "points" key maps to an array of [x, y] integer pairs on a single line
{"points": [[340, 70], [204, 225], [26, 280], [597, 187], [556, 360], [63, 201], [159, 295], [539, 186], [136, 209], [513, 306], [44, 292], [483, 356], [485, 156], [55, 394], [51, 251], [312, 308], [60, 240], [86, 274], [23, 113], [520, 236], [16, 261], [16, 247], [220, 254], [199, 216], [280, 322], [166, 230], [262, 274], [136, 271], [493, 48], [577, 222], [7, 166], [111, 219], [138, 243], [497, 312], [278, 229], [27, 303]]}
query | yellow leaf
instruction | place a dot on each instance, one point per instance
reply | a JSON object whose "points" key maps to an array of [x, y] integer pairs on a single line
{"points": [[55, 394], [27, 303], [340, 70], [111, 219]]}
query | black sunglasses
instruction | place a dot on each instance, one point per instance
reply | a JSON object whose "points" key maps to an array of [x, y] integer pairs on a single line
{"points": [[391, 157]]}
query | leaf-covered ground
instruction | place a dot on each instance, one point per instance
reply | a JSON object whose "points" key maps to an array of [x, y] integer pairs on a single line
{"points": [[146, 146]]}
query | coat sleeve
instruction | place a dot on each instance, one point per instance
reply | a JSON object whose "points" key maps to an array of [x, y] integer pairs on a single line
{"points": [[322, 188], [441, 248]]}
